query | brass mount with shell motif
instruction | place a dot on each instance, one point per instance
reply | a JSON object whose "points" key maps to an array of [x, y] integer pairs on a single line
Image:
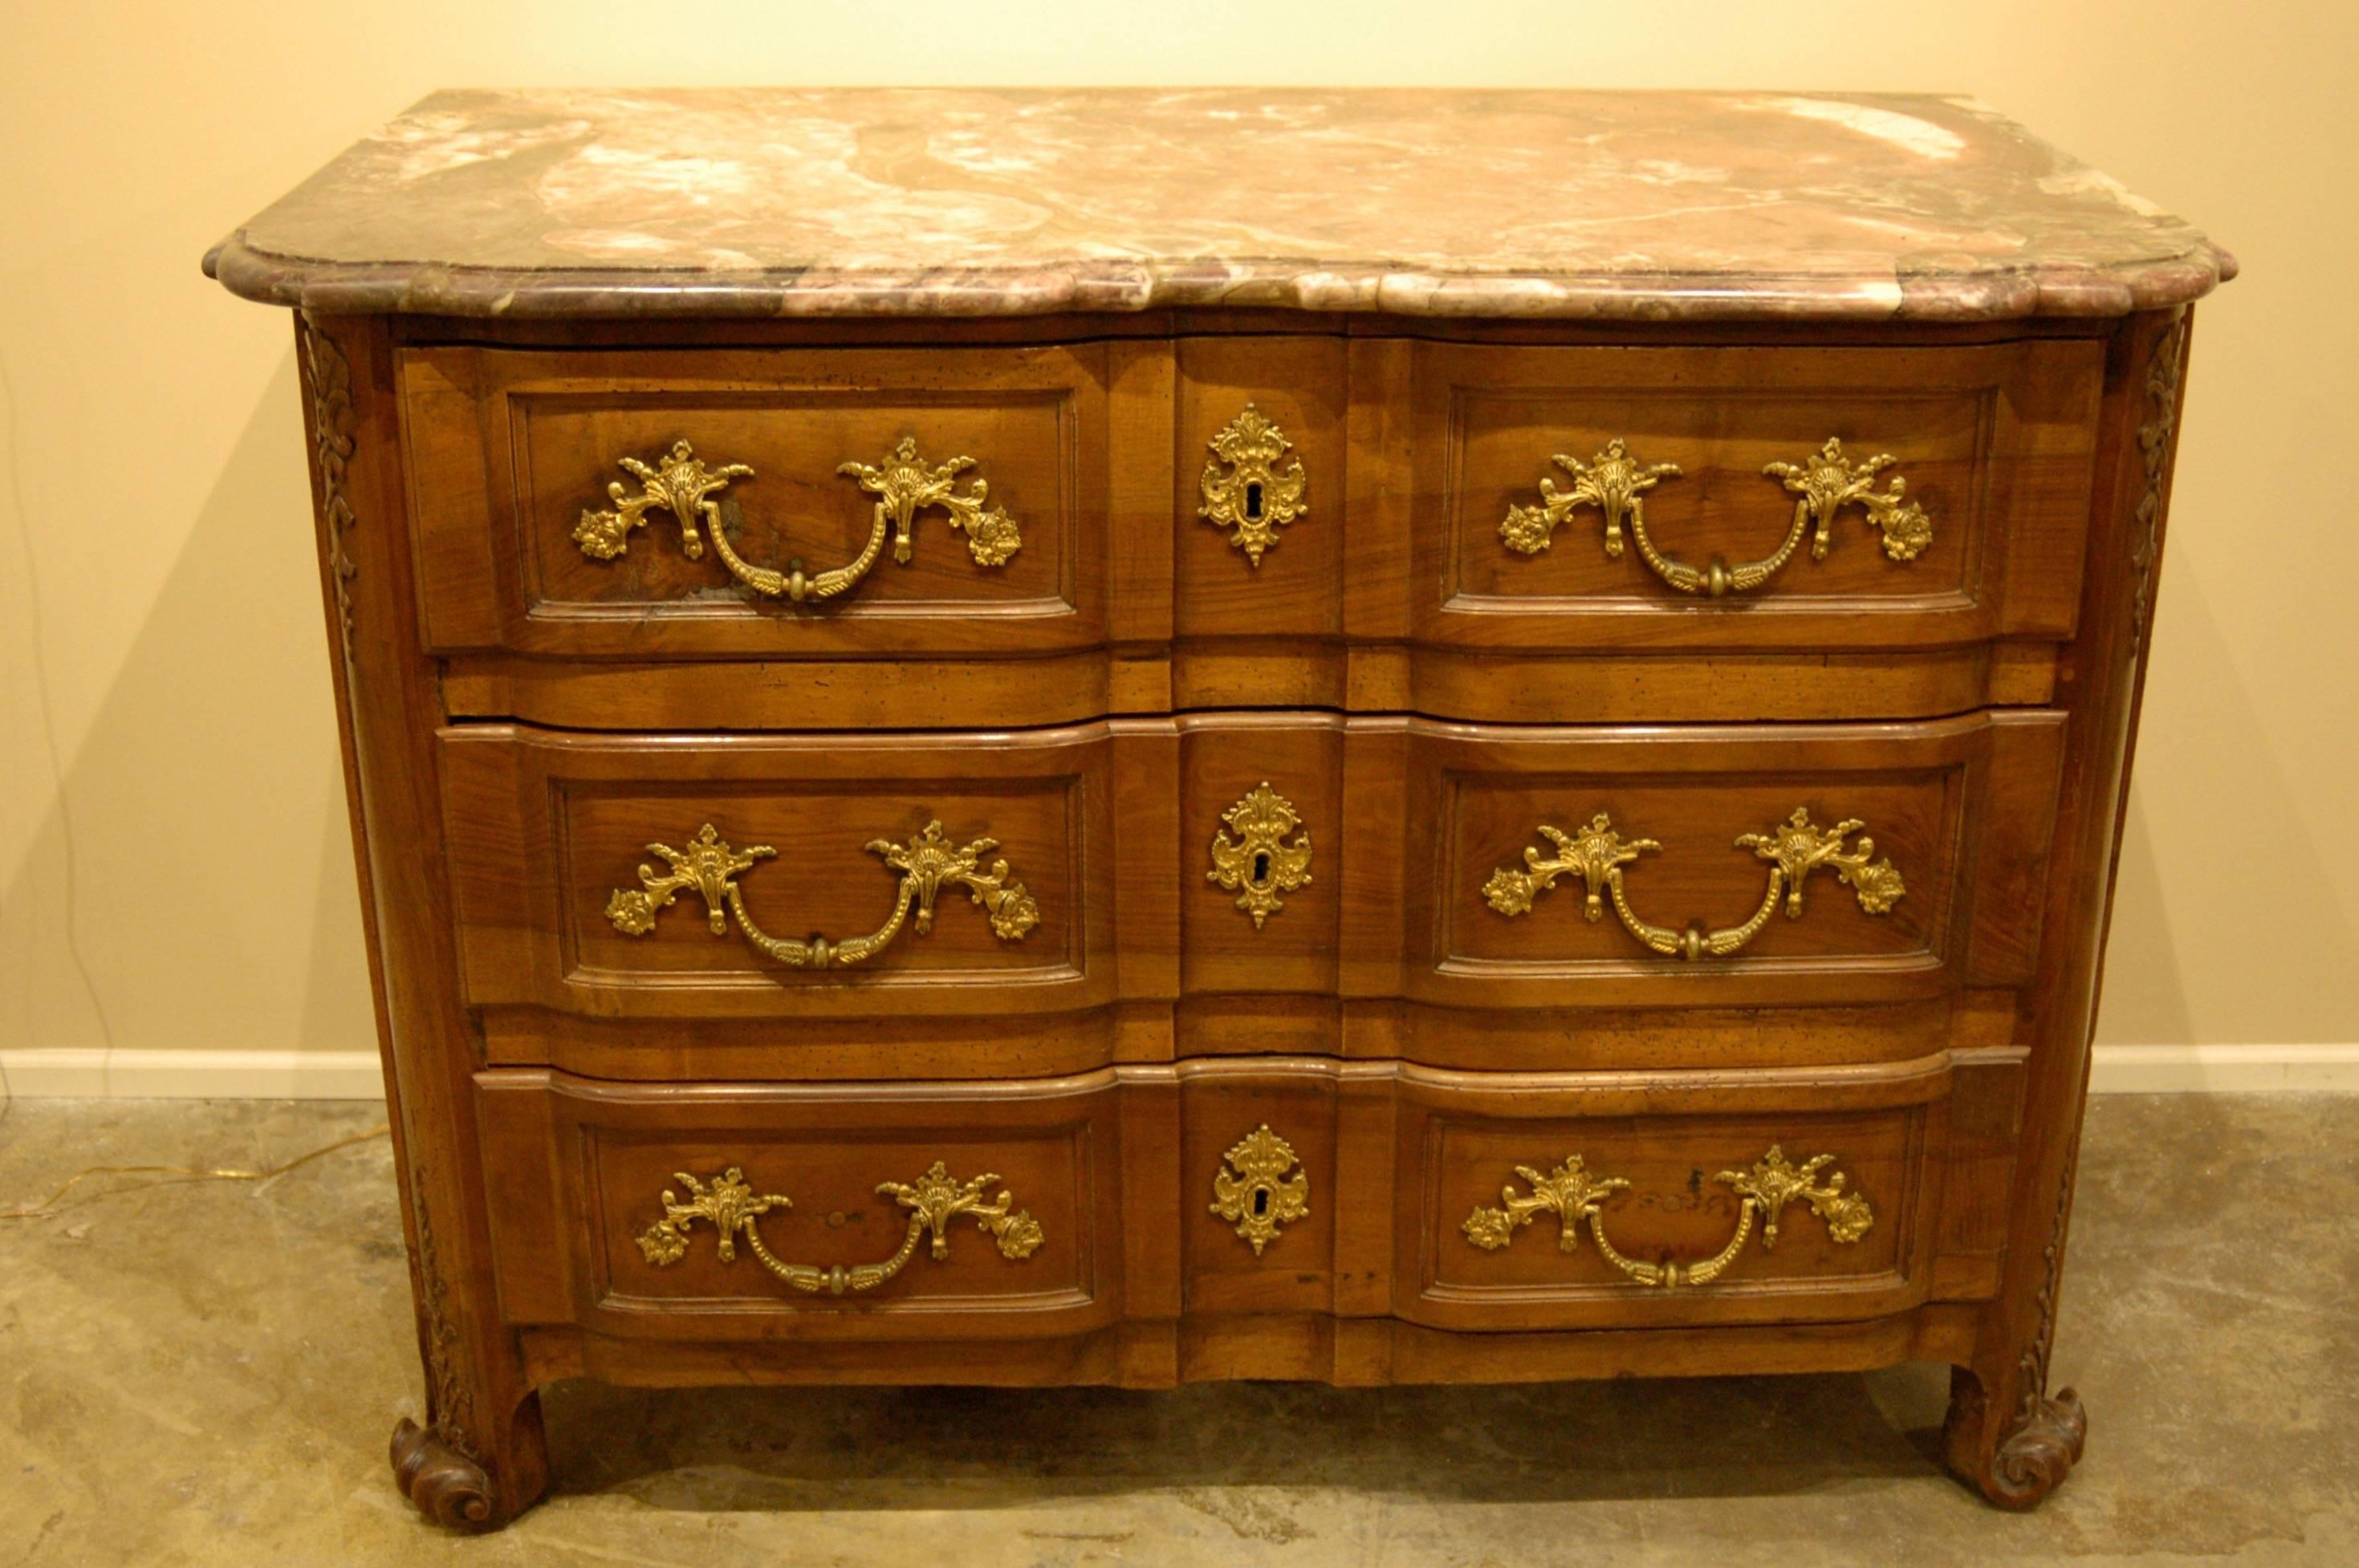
{"points": [[1616, 482], [934, 1199], [1574, 1195], [1794, 849], [904, 484], [710, 866]]}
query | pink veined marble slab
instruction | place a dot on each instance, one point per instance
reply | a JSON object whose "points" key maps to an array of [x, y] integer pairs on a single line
{"points": [[972, 203]]}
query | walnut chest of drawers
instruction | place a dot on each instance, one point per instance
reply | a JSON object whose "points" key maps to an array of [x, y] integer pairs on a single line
{"points": [[1093, 737]]}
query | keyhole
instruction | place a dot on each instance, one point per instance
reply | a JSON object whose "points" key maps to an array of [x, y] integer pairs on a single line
{"points": [[1261, 867], [1261, 1200], [1253, 499]]}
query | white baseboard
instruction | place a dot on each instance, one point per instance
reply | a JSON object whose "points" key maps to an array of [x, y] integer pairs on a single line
{"points": [[2224, 1069], [100, 1073], [356, 1075]]}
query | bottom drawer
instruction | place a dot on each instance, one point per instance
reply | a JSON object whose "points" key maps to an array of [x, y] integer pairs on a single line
{"points": [[701, 1211], [1243, 1186], [1531, 1205]]}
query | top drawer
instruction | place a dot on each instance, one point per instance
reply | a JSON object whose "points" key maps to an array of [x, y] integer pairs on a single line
{"points": [[1579, 499], [946, 501], [1020, 536]]}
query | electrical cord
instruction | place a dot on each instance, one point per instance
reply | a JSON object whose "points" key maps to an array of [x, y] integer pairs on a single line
{"points": [[175, 1175]]}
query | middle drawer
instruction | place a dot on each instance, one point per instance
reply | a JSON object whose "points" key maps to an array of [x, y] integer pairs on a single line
{"points": [[1311, 866]]}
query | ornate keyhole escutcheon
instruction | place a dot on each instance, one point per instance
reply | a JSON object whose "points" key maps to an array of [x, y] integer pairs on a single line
{"points": [[1258, 864], [1255, 1192], [1254, 498]]}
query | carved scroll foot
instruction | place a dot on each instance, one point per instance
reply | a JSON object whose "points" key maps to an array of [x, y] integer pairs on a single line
{"points": [[448, 1487], [2031, 1455]]}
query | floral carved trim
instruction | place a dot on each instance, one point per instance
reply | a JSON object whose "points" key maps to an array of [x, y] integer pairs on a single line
{"points": [[2162, 376], [453, 1406], [331, 378], [2048, 1434]]}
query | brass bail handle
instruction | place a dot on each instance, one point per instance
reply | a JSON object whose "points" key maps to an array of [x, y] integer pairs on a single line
{"points": [[729, 1206], [1616, 482], [710, 866], [1575, 1196], [1794, 849], [904, 484]]}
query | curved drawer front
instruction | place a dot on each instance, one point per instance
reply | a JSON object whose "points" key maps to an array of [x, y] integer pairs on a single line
{"points": [[762, 876], [1262, 866], [1465, 1201], [1703, 867], [1579, 498], [1555, 1203], [937, 501], [617, 538], [686, 1211]]}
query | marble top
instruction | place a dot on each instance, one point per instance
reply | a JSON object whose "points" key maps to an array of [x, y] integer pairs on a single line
{"points": [[976, 202]]}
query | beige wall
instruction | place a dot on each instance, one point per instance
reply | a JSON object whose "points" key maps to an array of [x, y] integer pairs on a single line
{"points": [[174, 871]]}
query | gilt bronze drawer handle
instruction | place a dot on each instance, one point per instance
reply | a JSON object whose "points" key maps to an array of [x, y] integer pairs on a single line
{"points": [[1615, 482], [1573, 1196], [1795, 849], [709, 865], [1254, 498], [905, 485], [1258, 864], [1254, 1191], [934, 1200]]}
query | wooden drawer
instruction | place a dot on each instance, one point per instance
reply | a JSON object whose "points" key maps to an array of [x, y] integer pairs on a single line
{"points": [[1407, 557], [522, 547], [1317, 1186], [611, 1207], [1550, 1201], [802, 877], [1916, 868], [1295, 882], [1276, 1186], [1970, 527], [1805, 863]]}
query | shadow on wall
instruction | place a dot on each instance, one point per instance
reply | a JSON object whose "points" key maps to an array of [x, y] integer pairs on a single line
{"points": [[213, 897], [2144, 1001], [2249, 861]]}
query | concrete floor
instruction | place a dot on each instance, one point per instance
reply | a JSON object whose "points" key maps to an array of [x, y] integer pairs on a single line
{"points": [[207, 1374]]}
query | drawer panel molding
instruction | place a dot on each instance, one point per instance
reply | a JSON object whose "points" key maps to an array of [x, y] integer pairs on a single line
{"points": [[855, 1206], [1661, 1188], [1974, 466], [767, 459], [547, 828]]}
